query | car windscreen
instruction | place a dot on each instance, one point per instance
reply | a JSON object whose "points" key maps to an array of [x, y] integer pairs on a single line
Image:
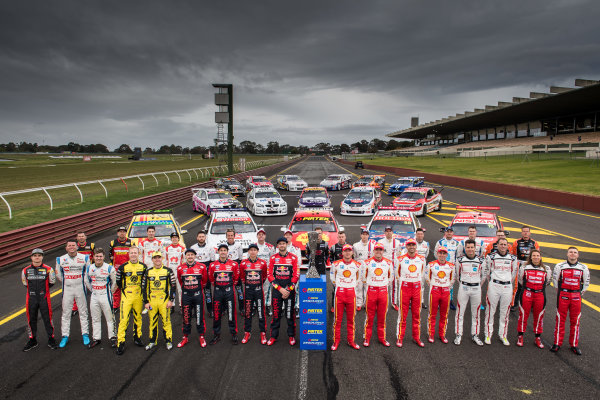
{"points": [[293, 178], [266, 195], [404, 182], [333, 178], [162, 229], [259, 179], [397, 225], [483, 230], [412, 195], [308, 224], [231, 182], [218, 195], [240, 225], [313, 194], [359, 196]]}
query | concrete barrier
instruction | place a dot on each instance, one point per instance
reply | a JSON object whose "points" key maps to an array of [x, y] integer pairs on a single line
{"points": [[576, 201]]}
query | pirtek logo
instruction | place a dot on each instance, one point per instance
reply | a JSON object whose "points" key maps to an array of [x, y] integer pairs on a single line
{"points": [[313, 332], [312, 311], [312, 290]]}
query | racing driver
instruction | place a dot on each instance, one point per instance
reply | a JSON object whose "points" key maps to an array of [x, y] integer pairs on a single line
{"points": [[224, 275], [205, 255], [345, 275], [192, 276], [119, 254], [377, 278], [439, 274], [253, 273]]}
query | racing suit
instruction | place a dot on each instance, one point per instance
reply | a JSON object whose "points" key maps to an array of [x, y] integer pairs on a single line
{"points": [[148, 247], [88, 250], [469, 274], [392, 250], [347, 282], [158, 288], [205, 255], [409, 277], [423, 250], [335, 253], [452, 247], [192, 280], [119, 254], [440, 278], [129, 280], [377, 278], [283, 272], [480, 247], [71, 271], [521, 248], [253, 275], [101, 282], [501, 270], [38, 281], [362, 251], [321, 257], [265, 251], [235, 253], [534, 281], [571, 282], [224, 276], [174, 255], [298, 253]]}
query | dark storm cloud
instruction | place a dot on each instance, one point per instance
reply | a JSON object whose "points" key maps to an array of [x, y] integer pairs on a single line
{"points": [[141, 70]]}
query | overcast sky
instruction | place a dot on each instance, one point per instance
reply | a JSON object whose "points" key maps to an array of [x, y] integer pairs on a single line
{"points": [[140, 72]]}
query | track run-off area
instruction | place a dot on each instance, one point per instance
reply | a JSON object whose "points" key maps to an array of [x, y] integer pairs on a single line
{"points": [[224, 371]]}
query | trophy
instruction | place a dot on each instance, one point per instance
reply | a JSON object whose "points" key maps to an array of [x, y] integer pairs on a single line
{"points": [[313, 242]]}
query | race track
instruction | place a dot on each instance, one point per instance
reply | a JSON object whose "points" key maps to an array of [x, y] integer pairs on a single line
{"points": [[248, 371]]}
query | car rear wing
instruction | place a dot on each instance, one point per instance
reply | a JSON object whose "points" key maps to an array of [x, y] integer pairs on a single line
{"points": [[165, 211], [477, 208], [229, 209], [314, 209], [397, 208]]}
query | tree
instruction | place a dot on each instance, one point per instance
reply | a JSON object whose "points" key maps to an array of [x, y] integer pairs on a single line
{"points": [[273, 148], [124, 148], [148, 150], [344, 148], [248, 147], [392, 144]]}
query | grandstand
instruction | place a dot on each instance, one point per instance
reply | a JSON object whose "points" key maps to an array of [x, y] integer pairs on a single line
{"points": [[564, 117]]}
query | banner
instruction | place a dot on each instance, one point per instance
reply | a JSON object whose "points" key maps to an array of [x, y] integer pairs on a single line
{"points": [[313, 313]]}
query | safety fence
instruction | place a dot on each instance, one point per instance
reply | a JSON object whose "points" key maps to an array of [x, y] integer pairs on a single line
{"points": [[187, 174], [16, 245]]}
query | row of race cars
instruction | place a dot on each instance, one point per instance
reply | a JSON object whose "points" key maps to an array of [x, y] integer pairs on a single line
{"points": [[225, 211]]}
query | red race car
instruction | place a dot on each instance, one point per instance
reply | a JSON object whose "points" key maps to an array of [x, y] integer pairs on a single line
{"points": [[487, 223], [420, 200]]}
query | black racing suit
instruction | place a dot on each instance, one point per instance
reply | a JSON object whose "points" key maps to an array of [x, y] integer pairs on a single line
{"points": [[335, 253], [38, 281]]}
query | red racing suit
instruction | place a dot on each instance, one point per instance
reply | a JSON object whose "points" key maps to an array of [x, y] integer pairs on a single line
{"points": [[224, 276], [521, 248], [119, 254], [533, 280], [571, 281], [253, 275], [409, 277], [377, 278], [283, 272], [346, 279], [440, 278], [192, 280]]}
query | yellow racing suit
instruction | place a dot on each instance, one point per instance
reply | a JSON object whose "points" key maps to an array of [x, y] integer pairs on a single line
{"points": [[158, 288], [129, 280]]}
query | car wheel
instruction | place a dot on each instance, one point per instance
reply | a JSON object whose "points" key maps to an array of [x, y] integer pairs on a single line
{"points": [[439, 207], [338, 187], [208, 211], [424, 212], [194, 208]]}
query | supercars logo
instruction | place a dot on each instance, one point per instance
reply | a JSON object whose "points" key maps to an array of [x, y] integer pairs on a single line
{"points": [[378, 271], [303, 238], [441, 274], [412, 268], [157, 284], [347, 274]]}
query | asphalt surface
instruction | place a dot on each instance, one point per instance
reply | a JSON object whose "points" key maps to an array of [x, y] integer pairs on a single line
{"points": [[255, 371]]}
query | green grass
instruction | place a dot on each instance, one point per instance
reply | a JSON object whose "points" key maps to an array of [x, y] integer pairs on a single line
{"points": [[566, 174]]}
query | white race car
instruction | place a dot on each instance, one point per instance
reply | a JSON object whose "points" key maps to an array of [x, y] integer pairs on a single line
{"points": [[292, 183], [336, 182], [266, 201], [205, 200], [238, 219], [257, 181], [362, 200]]}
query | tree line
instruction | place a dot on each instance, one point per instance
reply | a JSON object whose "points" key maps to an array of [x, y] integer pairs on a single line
{"points": [[245, 147]]}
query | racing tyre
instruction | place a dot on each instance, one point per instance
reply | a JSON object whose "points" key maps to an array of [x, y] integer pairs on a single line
{"points": [[424, 212], [338, 187], [208, 211], [439, 207]]}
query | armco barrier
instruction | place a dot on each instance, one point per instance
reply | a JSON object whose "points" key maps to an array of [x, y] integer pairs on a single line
{"points": [[576, 201], [17, 245]]}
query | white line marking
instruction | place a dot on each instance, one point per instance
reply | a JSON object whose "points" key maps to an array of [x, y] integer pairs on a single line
{"points": [[303, 387]]}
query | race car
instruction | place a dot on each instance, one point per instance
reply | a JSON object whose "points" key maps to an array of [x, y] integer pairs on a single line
{"points": [[292, 183], [487, 223], [420, 200], [232, 185], [404, 224], [376, 181], [266, 201], [405, 182], [163, 222], [361, 201], [238, 219], [257, 181], [204, 200], [336, 182], [306, 220], [314, 197]]}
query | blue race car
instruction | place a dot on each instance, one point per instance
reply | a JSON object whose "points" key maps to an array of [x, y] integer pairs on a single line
{"points": [[314, 197], [405, 182]]}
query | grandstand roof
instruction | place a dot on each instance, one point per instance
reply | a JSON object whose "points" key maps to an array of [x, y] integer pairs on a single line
{"points": [[559, 102]]}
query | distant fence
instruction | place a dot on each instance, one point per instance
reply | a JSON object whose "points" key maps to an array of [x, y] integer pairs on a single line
{"points": [[188, 174]]}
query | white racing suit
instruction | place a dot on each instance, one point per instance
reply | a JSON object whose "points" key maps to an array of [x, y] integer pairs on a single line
{"points": [[265, 251], [174, 258], [102, 282], [501, 271], [71, 272], [362, 252], [469, 274]]}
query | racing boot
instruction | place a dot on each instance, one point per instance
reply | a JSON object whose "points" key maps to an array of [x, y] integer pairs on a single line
{"points": [[538, 342], [358, 308], [292, 340], [234, 339], [215, 340], [332, 309], [271, 341], [183, 342], [576, 350], [144, 311], [113, 341], [457, 340], [138, 342], [120, 349], [354, 345], [504, 341], [520, 340], [366, 343], [443, 339], [423, 306], [94, 343], [431, 340], [477, 341], [386, 343], [150, 346], [399, 342], [555, 348], [263, 338], [31, 343], [246, 338], [86, 339], [202, 341], [52, 343], [419, 343], [488, 340], [169, 345], [395, 307], [334, 346], [63, 341]]}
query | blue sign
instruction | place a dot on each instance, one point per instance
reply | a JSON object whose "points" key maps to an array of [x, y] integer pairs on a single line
{"points": [[313, 313]]}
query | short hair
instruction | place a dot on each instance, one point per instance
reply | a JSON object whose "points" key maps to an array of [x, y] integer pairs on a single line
{"points": [[500, 231], [71, 241], [420, 230], [470, 241], [525, 227], [572, 248], [99, 250], [229, 230], [341, 232], [319, 228], [150, 227], [201, 232], [506, 240], [80, 232], [472, 227]]}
